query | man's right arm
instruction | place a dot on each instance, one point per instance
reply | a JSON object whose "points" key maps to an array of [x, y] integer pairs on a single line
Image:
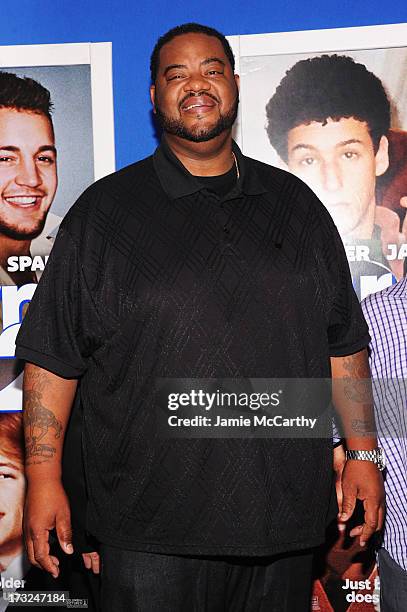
{"points": [[48, 400]]}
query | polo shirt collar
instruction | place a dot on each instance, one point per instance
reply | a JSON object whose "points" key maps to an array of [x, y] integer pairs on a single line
{"points": [[178, 182]]}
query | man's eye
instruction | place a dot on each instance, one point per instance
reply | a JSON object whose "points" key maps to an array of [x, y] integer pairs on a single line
{"points": [[174, 77], [46, 159], [211, 72], [307, 161], [350, 155]]}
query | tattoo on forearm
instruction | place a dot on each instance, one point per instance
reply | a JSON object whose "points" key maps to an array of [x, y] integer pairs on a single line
{"points": [[38, 421], [357, 385], [358, 390], [366, 428]]}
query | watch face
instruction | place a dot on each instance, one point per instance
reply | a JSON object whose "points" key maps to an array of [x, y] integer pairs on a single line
{"points": [[381, 460]]}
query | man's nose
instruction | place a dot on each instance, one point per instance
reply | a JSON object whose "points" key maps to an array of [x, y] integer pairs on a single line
{"points": [[331, 176], [196, 82], [28, 174]]}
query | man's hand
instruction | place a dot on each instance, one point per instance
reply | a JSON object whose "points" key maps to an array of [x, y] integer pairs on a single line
{"points": [[46, 508], [92, 561], [362, 480]]}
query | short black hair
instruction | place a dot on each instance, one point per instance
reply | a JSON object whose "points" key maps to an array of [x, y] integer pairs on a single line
{"points": [[187, 28], [23, 93], [327, 86]]}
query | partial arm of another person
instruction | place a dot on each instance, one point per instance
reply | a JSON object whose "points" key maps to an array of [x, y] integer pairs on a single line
{"points": [[48, 400], [338, 465], [353, 401]]}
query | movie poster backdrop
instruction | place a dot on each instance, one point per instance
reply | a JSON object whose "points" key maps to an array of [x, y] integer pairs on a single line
{"points": [[346, 577], [79, 79]]}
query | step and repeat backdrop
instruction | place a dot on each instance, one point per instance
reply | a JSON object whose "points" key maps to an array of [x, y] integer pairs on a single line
{"points": [[329, 106]]}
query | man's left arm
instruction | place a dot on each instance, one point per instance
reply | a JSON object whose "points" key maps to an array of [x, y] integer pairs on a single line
{"points": [[361, 479]]}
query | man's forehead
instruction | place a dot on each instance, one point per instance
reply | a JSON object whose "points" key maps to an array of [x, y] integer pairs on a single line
{"points": [[8, 462], [21, 124], [330, 132], [13, 113], [191, 46]]}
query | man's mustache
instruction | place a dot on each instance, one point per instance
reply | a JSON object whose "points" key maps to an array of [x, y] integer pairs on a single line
{"points": [[196, 95]]}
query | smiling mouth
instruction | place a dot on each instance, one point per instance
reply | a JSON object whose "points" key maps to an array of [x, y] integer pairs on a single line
{"points": [[193, 106], [197, 106], [200, 102], [28, 200]]}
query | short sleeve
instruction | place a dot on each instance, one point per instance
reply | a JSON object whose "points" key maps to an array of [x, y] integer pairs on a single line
{"points": [[61, 329], [346, 329], [348, 332]]}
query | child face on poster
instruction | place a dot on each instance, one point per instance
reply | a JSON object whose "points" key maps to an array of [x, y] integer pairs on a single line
{"points": [[12, 488]]}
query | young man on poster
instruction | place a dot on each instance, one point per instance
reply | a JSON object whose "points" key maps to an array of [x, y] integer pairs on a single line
{"points": [[195, 262], [28, 177], [328, 120], [28, 182]]}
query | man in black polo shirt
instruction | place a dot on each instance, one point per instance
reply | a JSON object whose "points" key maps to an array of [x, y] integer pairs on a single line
{"points": [[196, 262]]}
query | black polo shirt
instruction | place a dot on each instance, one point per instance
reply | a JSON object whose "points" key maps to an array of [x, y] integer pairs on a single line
{"points": [[153, 275]]}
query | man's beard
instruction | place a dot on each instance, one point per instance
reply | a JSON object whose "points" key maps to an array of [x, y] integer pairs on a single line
{"points": [[176, 127], [16, 232]]}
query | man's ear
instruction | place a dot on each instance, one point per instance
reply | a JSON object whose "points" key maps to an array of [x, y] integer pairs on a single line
{"points": [[382, 156], [152, 97], [237, 81]]}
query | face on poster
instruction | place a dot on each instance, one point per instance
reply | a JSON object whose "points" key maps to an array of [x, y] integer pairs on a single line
{"points": [[12, 492], [338, 120], [51, 121]]}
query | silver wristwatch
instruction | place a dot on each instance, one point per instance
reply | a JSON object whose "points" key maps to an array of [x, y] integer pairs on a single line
{"points": [[376, 456]]}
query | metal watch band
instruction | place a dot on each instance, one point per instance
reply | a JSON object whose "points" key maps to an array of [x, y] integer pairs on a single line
{"points": [[376, 456]]}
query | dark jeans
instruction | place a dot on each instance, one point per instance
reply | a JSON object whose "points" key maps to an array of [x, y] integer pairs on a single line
{"points": [[393, 584], [145, 582]]}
